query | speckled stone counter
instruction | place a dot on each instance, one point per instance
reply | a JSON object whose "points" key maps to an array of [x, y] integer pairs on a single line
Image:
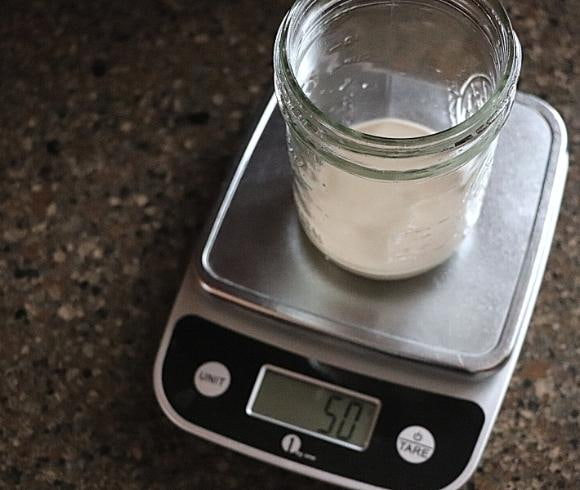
{"points": [[117, 123]]}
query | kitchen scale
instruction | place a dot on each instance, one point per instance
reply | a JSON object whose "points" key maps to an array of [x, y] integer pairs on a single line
{"points": [[275, 352]]}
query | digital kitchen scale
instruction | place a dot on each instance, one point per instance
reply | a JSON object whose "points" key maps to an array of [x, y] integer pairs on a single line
{"points": [[277, 353]]}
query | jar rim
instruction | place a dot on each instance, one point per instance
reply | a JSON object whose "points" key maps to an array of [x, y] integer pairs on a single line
{"points": [[453, 137]]}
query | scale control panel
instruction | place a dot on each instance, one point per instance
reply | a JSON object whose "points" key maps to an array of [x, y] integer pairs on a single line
{"points": [[324, 417]]}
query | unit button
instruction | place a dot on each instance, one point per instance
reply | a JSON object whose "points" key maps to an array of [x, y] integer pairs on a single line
{"points": [[415, 444], [212, 379]]}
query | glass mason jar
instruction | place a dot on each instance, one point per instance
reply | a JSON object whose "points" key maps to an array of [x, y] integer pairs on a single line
{"points": [[393, 110]]}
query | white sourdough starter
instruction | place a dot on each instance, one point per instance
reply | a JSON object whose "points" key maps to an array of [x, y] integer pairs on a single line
{"points": [[391, 229]]}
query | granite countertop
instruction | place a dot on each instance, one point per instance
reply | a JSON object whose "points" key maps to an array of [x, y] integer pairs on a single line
{"points": [[118, 121]]}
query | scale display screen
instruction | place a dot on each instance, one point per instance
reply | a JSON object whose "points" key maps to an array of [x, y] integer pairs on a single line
{"points": [[317, 408]]}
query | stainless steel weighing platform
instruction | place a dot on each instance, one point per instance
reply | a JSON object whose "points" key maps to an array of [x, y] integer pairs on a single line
{"points": [[453, 333]]}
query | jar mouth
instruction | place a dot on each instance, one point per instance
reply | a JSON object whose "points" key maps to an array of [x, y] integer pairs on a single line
{"points": [[454, 137]]}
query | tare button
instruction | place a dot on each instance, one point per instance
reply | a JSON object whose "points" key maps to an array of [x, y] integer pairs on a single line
{"points": [[415, 444], [212, 379]]}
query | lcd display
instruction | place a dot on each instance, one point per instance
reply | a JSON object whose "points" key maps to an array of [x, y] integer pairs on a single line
{"points": [[323, 410]]}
